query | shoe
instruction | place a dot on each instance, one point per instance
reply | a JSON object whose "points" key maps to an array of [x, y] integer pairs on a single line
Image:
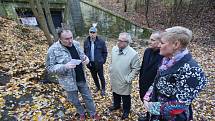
{"points": [[95, 117], [112, 108], [124, 116], [103, 92], [141, 118]]}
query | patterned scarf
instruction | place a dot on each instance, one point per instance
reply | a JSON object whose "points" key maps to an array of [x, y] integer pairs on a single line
{"points": [[168, 62]]}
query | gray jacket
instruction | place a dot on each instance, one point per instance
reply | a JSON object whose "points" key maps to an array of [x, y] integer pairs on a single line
{"points": [[57, 57]]}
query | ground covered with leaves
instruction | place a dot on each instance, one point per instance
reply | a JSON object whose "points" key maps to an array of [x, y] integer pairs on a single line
{"points": [[24, 97]]}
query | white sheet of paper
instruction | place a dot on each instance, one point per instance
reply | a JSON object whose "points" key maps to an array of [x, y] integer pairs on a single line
{"points": [[75, 61]]}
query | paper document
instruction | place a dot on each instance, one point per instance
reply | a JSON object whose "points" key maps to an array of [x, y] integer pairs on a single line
{"points": [[75, 61]]}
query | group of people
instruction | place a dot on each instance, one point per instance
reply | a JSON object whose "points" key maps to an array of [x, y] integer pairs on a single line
{"points": [[169, 78]]}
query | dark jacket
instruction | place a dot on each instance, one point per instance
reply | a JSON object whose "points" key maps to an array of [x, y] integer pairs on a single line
{"points": [[100, 52], [177, 86], [151, 61]]}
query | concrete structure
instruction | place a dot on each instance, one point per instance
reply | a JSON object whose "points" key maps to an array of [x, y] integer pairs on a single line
{"points": [[16, 9]]}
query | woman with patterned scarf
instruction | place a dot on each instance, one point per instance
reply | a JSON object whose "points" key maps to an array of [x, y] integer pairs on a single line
{"points": [[178, 81]]}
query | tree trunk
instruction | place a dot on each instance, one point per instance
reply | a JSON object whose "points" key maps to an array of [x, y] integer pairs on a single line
{"points": [[173, 12], [49, 19], [67, 12], [125, 5], [146, 11], [67, 20], [38, 13]]}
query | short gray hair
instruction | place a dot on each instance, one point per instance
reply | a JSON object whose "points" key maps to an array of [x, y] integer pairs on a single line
{"points": [[182, 34], [127, 36], [157, 34]]}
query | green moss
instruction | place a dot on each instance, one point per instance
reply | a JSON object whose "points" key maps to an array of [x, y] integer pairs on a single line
{"points": [[10, 11]]}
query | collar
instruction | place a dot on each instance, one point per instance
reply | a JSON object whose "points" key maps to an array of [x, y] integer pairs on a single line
{"points": [[125, 50], [177, 65], [66, 48]]}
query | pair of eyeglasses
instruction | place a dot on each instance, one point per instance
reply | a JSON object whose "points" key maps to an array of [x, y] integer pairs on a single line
{"points": [[93, 32]]}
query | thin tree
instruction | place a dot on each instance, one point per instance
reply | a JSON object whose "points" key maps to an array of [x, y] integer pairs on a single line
{"points": [[125, 6], [146, 12], [49, 19], [67, 20], [38, 13], [174, 12]]}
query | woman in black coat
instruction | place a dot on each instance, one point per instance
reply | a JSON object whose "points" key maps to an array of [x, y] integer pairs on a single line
{"points": [[178, 81]]}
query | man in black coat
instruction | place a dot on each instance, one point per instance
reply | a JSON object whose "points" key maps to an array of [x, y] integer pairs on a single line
{"points": [[151, 61], [96, 50]]}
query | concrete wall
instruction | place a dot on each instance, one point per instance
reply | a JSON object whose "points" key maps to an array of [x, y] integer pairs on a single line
{"points": [[8, 7]]}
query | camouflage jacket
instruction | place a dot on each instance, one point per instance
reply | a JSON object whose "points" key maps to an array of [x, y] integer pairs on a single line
{"points": [[56, 59]]}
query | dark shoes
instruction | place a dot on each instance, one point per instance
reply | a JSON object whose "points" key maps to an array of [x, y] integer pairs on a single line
{"points": [[113, 108], [81, 117], [124, 115], [143, 119]]}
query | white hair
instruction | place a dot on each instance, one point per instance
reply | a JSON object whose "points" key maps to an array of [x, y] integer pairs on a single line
{"points": [[180, 29], [156, 34], [127, 36], [178, 33]]}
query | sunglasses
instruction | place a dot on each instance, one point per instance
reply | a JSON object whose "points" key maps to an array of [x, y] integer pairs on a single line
{"points": [[92, 32]]}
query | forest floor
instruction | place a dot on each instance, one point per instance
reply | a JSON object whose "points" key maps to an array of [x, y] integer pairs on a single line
{"points": [[24, 97]]}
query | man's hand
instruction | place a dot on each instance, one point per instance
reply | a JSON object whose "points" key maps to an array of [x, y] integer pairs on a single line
{"points": [[69, 65], [86, 60]]}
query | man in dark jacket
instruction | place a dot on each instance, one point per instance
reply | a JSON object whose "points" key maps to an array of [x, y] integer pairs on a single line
{"points": [[96, 50], [151, 61]]}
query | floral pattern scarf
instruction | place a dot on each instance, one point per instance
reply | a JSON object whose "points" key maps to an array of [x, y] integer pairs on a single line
{"points": [[168, 62]]}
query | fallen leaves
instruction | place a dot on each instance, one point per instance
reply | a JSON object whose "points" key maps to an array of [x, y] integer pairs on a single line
{"points": [[23, 51]]}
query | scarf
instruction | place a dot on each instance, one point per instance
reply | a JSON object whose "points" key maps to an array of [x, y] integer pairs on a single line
{"points": [[169, 62]]}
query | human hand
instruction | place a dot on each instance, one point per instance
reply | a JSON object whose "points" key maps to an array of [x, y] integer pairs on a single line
{"points": [[86, 60]]}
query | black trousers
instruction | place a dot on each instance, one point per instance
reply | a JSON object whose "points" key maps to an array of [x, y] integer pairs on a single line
{"points": [[96, 70], [126, 101]]}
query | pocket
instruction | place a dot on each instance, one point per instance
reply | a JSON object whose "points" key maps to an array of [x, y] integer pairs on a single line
{"points": [[61, 57]]}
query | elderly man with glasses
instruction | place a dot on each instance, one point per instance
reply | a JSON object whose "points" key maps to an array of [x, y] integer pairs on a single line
{"points": [[125, 64]]}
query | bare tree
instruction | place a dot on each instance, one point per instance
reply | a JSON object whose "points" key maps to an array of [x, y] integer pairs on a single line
{"points": [[67, 20], [146, 11], [125, 5], [174, 12], [38, 13], [49, 19]]}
